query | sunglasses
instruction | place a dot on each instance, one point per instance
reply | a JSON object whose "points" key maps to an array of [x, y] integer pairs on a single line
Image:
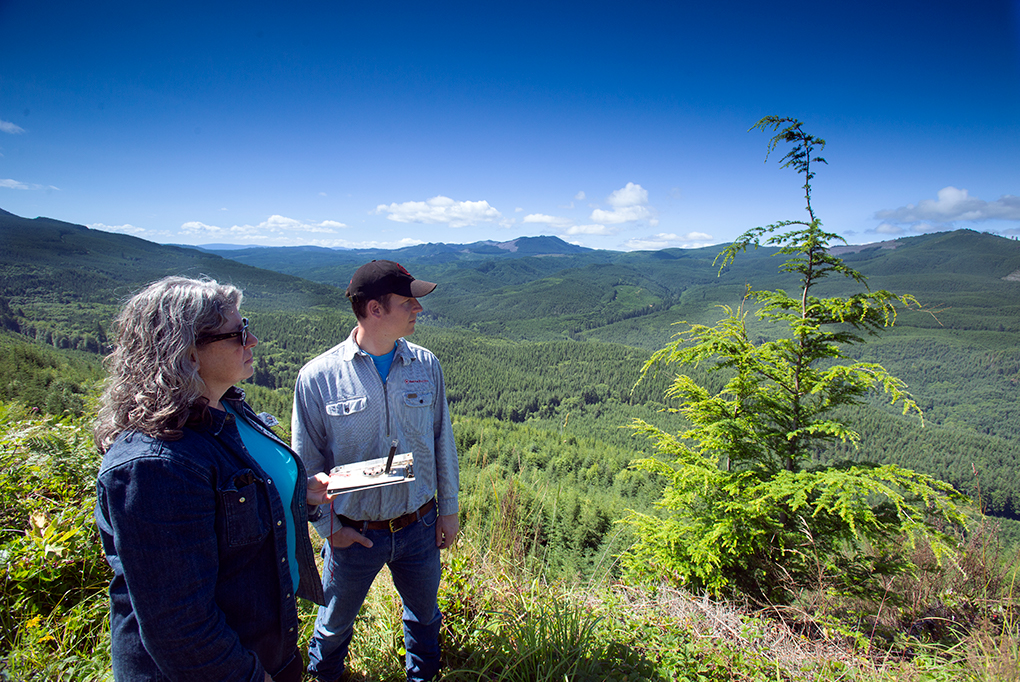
{"points": [[242, 333]]}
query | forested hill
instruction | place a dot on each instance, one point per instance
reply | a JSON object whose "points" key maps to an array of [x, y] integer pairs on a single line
{"points": [[61, 282], [507, 318], [109, 262]]}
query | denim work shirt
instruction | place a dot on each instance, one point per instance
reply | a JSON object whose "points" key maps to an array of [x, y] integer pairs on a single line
{"points": [[196, 535], [344, 413]]}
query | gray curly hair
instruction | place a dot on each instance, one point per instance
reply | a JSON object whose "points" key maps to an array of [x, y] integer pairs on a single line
{"points": [[153, 385]]}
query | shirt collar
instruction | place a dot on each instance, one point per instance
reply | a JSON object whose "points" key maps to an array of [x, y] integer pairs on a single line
{"points": [[350, 348]]}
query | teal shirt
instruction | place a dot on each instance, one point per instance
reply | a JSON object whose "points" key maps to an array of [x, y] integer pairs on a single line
{"points": [[279, 465]]}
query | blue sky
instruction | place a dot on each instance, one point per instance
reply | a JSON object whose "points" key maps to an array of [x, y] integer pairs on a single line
{"points": [[611, 125]]}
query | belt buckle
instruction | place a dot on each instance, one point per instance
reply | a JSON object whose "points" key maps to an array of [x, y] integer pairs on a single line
{"points": [[392, 525]]}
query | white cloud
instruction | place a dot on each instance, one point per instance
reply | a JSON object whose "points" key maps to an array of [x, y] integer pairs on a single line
{"points": [[16, 184], [629, 205], [889, 228], [566, 226], [599, 230], [518, 209], [552, 221], [196, 227], [274, 225], [291, 240], [8, 127], [439, 210], [126, 228], [577, 197], [664, 240], [625, 214], [954, 205], [631, 195], [282, 224]]}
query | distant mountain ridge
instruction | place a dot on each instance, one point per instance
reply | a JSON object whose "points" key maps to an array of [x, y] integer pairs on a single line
{"points": [[524, 246], [529, 288], [519, 247], [545, 269]]}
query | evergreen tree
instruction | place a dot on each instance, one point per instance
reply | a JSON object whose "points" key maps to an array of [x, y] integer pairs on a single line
{"points": [[744, 506]]}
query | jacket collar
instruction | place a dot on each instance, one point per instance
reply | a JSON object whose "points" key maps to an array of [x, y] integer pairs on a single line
{"points": [[218, 418], [233, 395]]}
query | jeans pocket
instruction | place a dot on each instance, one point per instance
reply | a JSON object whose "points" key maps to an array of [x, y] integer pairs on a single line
{"points": [[431, 518], [239, 499]]}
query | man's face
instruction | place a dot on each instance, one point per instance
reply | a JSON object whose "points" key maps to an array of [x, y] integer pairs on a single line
{"points": [[400, 318]]}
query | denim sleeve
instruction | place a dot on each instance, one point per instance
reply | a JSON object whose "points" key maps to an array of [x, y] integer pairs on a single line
{"points": [[308, 439], [161, 516], [447, 467]]}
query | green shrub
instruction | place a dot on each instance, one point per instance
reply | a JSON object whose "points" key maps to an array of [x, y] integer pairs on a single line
{"points": [[53, 607]]}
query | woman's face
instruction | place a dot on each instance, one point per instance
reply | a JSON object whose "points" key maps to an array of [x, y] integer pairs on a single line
{"points": [[223, 363]]}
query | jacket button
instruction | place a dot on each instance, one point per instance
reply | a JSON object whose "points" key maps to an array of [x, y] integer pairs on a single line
{"points": [[288, 596], [279, 523], [269, 481], [283, 560], [241, 500]]}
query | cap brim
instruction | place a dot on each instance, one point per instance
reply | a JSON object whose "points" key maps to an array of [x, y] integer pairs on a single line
{"points": [[421, 288]]}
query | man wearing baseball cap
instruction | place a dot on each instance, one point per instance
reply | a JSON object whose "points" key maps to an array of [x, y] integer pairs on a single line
{"points": [[350, 404]]}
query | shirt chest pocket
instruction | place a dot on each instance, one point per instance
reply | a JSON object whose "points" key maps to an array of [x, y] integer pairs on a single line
{"points": [[343, 408], [417, 411], [239, 501]]}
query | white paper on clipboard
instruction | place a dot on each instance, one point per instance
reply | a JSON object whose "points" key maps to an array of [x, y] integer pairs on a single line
{"points": [[371, 474]]}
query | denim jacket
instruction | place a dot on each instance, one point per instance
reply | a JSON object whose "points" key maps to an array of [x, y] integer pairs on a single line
{"points": [[344, 413], [196, 535]]}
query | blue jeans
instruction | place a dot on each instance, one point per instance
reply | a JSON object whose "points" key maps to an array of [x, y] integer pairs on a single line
{"points": [[413, 560]]}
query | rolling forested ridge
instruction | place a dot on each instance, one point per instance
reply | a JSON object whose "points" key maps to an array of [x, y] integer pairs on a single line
{"points": [[543, 332], [542, 345]]}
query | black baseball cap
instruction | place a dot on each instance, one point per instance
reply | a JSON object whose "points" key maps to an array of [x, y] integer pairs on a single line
{"points": [[374, 280]]}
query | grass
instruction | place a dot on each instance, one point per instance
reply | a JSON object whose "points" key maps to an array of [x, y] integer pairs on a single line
{"points": [[504, 624]]}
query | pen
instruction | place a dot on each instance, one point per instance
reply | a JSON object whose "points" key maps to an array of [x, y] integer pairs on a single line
{"points": [[389, 458]]}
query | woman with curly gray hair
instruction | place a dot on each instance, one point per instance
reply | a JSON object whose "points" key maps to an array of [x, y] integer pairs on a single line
{"points": [[202, 510]]}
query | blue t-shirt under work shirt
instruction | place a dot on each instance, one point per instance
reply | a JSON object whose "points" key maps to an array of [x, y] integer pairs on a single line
{"points": [[383, 362]]}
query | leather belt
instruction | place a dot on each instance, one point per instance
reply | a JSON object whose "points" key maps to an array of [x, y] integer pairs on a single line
{"points": [[392, 525]]}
